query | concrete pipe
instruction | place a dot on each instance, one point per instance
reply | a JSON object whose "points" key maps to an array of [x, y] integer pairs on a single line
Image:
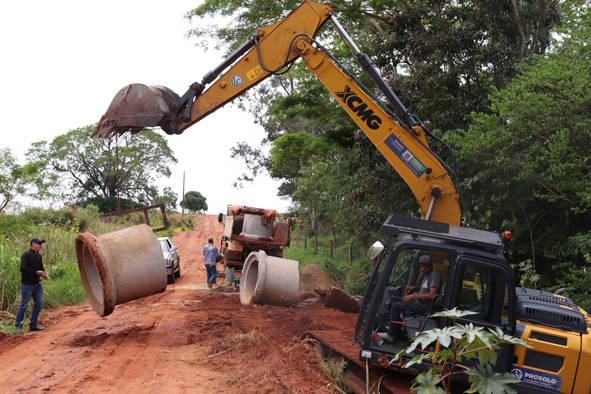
{"points": [[120, 266], [269, 280]]}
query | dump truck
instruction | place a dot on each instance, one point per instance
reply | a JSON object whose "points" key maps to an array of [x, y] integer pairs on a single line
{"points": [[250, 229], [476, 275]]}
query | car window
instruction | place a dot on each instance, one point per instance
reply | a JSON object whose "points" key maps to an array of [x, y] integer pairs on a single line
{"points": [[164, 245]]}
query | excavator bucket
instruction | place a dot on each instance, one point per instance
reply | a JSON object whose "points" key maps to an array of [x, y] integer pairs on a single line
{"points": [[138, 106]]}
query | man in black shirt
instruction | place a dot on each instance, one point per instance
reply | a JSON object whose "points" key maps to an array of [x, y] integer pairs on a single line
{"points": [[31, 274]]}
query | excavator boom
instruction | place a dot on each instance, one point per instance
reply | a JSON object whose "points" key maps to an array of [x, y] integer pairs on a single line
{"points": [[271, 50]]}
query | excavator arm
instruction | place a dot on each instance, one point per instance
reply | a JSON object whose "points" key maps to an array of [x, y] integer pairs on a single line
{"points": [[272, 49]]}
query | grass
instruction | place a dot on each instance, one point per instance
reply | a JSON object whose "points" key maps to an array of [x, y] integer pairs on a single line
{"points": [[59, 228], [333, 369]]}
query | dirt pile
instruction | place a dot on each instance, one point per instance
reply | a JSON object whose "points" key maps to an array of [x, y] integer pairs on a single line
{"points": [[311, 277]]}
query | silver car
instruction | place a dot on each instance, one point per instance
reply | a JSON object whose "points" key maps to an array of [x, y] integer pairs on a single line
{"points": [[172, 259]]}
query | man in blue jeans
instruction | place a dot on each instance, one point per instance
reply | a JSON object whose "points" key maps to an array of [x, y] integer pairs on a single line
{"points": [[428, 289], [210, 253], [31, 274]]}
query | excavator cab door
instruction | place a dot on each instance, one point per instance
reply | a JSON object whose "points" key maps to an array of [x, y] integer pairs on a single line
{"points": [[378, 253], [485, 288], [394, 271]]}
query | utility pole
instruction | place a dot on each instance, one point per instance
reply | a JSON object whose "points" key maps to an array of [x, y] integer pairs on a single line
{"points": [[183, 200]]}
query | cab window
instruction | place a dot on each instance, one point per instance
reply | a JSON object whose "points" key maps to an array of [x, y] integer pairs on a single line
{"points": [[484, 290]]}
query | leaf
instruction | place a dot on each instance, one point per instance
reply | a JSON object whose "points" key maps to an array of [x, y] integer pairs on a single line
{"points": [[486, 381], [486, 355], [472, 333], [454, 313], [417, 360], [501, 337], [427, 383], [444, 336]]}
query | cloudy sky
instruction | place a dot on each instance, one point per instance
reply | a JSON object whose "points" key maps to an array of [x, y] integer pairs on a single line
{"points": [[64, 61]]}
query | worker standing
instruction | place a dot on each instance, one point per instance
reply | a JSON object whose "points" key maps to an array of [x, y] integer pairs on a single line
{"points": [[210, 253], [31, 274]]}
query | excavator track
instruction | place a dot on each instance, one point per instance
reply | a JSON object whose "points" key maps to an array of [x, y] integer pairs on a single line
{"points": [[336, 345]]}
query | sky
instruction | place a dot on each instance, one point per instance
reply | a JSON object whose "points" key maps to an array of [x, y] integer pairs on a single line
{"points": [[64, 61]]}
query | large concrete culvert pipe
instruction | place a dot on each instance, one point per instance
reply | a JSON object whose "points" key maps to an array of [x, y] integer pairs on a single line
{"points": [[269, 280], [119, 267]]}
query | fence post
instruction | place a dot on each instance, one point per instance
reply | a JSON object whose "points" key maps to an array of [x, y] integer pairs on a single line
{"points": [[316, 244], [305, 241]]}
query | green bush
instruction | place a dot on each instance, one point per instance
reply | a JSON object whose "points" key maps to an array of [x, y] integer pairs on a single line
{"points": [[13, 225], [86, 216], [165, 233], [61, 217], [36, 215], [181, 222], [10, 277]]}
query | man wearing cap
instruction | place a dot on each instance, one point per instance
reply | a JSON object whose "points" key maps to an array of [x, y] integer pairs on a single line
{"points": [[210, 253], [414, 302], [31, 274]]}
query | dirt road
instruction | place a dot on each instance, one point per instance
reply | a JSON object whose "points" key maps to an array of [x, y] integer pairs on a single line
{"points": [[189, 339]]}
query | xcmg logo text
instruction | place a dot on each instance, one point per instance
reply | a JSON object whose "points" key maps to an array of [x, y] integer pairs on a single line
{"points": [[353, 101]]}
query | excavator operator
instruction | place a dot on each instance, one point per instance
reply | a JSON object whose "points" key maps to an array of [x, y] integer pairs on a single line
{"points": [[413, 302]]}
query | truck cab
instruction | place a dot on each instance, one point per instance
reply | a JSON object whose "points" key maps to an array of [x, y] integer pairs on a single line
{"points": [[249, 229]]}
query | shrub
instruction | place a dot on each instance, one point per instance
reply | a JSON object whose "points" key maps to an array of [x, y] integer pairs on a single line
{"points": [[456, 343], [13, 225]]}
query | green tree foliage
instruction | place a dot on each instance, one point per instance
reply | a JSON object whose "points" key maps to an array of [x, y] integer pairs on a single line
{"points": [[109, 204], [124, 166], [194, 201], [529, 158], [442, 59], [168, 198], [30, 180]]}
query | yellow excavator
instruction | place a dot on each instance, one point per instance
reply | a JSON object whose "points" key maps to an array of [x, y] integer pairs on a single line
{"points": [[476, 276]]}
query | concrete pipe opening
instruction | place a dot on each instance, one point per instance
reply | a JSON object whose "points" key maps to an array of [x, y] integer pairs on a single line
{"points": [[119, 267], [269, 280]]}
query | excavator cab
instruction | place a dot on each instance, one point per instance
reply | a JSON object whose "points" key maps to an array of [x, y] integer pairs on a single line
{"points": [[474, 274]]}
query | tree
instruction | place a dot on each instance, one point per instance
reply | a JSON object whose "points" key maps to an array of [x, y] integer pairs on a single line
{"points": [[168, 198], [195, 201], [527, 159], [441, 58], [31, 180], [124, 166]]}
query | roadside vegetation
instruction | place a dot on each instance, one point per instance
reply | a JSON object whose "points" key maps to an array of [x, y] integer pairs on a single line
{"points": [[343, 260], [59, 228]]}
